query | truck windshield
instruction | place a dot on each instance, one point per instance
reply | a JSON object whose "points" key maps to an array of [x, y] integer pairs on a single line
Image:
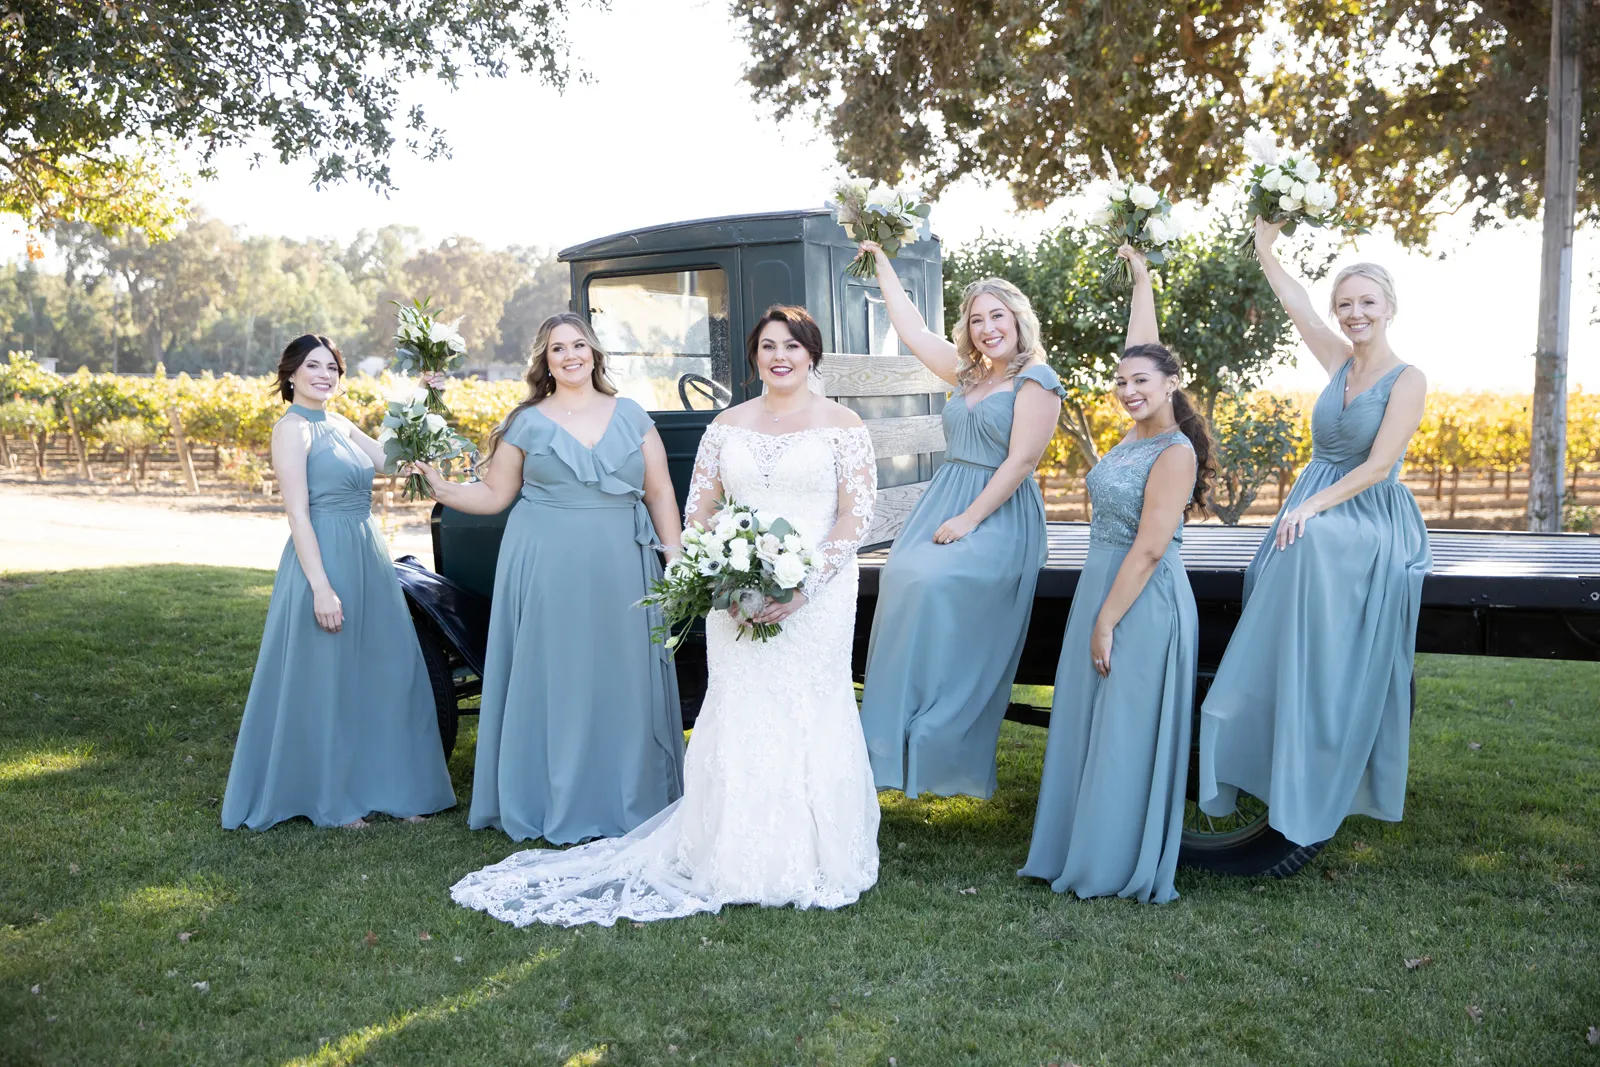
{"points": [[666, 336]]}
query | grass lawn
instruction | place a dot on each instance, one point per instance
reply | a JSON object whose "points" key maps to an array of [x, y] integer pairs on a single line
{"points": [[134, 930]]}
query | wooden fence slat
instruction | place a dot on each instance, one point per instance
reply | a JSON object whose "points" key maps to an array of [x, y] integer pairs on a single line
{"points": [[908, 435], [891, 510], [849, 375]]}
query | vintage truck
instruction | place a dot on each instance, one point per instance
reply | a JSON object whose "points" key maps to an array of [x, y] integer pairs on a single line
{"points": [[671, 305]]}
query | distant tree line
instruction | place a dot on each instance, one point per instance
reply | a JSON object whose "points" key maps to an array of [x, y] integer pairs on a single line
{"points": [[211, 298]]}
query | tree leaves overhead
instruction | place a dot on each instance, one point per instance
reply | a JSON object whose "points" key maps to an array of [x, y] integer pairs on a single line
{"points": [[82, 80], [1418, 106], [1026, 91]]}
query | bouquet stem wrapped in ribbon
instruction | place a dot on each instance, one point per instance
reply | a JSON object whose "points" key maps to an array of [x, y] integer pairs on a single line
{"points": [[1286, 187], [746, 558], [425, 345], [413, 434], [889, 217]]}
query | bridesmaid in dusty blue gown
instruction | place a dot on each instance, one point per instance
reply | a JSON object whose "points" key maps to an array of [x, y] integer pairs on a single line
{"points": [[1311, 707], [956, 593], [579, 734], [1110, 815], [340, 720]]}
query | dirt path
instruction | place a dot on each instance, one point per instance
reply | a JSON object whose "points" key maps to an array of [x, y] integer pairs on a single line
{"points": [[64, 527]]}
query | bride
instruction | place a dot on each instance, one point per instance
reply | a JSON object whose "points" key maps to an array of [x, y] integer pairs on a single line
{"points": [[778, 805]]}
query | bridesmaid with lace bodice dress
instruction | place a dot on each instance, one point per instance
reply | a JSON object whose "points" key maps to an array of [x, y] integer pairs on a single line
{"points": [[778, 807], [340, 720], [1110, 815], [1311, 707], [955, 596], [580, 734]]}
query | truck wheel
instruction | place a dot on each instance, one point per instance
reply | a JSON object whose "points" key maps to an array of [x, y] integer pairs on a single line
{"points": [[441, 681], [1242, 843]]}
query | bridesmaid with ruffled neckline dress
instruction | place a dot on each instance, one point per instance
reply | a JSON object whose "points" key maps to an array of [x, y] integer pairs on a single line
{"points": [[956, 594], [580, 734], [1311, 707], [340, 721]]}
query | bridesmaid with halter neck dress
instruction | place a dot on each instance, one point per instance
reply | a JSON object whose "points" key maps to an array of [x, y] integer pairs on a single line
{"points": [[1110, 813], [1311, 709], [340, 720], [957, 591]]}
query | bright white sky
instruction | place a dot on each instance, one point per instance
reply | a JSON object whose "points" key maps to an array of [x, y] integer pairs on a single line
{"points": [[668, 131]]}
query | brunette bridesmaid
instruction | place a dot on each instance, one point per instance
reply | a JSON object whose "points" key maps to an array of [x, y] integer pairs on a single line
{"points": [[580, 734], [1311, 707], [1110, 815], [957, 590], [340, 721]]}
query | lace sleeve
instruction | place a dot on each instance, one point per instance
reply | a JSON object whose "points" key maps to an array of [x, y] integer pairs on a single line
{"points": [[705, 485], [857, 468]]}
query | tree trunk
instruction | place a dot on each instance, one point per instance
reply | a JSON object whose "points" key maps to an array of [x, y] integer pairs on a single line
{"points": [[38, 440], [1455, 490], [1547, 458], [184, 458], [5, 451], [1510, 471], [1075, 421], [77, 444]]}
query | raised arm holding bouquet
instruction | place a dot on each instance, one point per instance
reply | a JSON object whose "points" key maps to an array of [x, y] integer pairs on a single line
{"points": [[1135, 214], [1286, 188], [890, 218]]}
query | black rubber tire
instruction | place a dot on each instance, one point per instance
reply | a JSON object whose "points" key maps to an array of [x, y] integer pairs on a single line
{"points": [[1261, 852], [441, 681]]}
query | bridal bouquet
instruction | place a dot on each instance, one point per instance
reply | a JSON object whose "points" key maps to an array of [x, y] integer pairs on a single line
{"points": [[1285, 187], [890, 217], [1138, 215], [411, 434], [425, 345], [746, 557]]}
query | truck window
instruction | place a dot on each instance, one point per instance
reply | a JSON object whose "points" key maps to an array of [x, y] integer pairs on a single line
{"points": [[881, 338], [667, 337]]}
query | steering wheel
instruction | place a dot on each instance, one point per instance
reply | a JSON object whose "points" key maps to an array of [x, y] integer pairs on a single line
{"points": [[714, 393]]}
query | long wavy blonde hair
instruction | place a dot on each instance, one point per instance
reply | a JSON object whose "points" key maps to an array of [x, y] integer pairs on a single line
{"points": [[541, 383], [973, 366]]}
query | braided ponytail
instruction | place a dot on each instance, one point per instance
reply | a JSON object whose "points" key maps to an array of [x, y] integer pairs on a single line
{"points": [[1190, 421]]}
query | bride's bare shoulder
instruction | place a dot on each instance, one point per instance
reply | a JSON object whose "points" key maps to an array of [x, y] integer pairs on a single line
{"points": [[740, 415]]}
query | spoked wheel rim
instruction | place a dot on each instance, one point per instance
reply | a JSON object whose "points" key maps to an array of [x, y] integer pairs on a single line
{"points": [[1208, 832]]}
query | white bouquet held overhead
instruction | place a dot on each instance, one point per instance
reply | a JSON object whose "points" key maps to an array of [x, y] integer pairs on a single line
{"points": [[746, 558], [426, 346], [413, 434], [890, 217], [1285, 187], [1134, 213]]}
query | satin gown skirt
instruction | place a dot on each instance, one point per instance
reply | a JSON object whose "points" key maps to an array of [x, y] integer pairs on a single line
{"points": [[1110, 815], [1311, 708], [947, 637], [580, 734], [338, 725]]}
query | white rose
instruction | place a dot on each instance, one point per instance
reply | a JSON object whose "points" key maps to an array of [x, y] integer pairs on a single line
{"points": [[1104, 216], [1297, 190], [789, 572], [794, 543], [739, 555], [1155, 231], [1306, 169], [1288, 203], [1144, 197], [433, 423], [881, 196], [768, 547], [691, 535], [1322, 195], [1175, 228]]}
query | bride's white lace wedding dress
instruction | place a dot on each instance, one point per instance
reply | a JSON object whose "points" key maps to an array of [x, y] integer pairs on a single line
{"points": [[778, 805]]}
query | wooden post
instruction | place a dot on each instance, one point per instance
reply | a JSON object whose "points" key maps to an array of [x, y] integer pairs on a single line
{"points": [[5, 451], [77, 444], [1547, 460], [183, 448]]}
